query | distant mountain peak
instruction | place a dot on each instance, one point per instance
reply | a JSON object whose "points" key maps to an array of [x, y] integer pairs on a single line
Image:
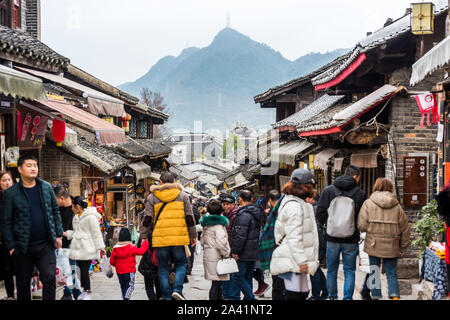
{"points": [[222, 79]]}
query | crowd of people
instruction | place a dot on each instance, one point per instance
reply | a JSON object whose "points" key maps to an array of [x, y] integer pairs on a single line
{"points": [[298, 234]]}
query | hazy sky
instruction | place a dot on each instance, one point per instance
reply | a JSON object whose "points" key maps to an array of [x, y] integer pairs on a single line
{"points": [[118, 41]]}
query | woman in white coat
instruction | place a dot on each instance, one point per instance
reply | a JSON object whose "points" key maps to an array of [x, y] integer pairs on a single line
{"points": [[87, 241], [297, 236]]}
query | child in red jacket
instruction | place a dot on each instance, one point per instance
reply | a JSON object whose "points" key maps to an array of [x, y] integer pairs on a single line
{"points": [[123, 259]]}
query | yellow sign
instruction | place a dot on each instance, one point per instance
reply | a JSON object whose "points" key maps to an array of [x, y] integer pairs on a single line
{"points": [[54, 97], [422, 18]]}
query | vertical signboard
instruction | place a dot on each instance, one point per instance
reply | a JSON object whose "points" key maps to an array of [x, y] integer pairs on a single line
{"points": [[415, 188]]}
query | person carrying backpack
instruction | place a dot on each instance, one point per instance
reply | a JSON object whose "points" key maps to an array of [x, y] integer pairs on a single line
{"points": [[338, 208]]}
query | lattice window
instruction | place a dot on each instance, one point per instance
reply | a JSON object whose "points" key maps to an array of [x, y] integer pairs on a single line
{"points": [[143, 129], [133, 128]]}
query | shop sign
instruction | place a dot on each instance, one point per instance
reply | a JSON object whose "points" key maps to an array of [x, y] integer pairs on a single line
{"points": [[99, 198], [33, 128], [140, 207], [140, 190], [415, 189]]}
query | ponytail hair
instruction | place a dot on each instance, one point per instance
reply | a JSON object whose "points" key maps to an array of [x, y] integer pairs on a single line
{"points": [[80, 201]]}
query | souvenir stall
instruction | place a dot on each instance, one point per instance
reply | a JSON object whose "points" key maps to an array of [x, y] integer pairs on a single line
{"points": [[435, 269], [120, 203]]}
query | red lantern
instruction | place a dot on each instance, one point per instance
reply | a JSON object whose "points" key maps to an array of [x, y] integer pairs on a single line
{"points": [[125, 121], [19, 125], [59, 131]]}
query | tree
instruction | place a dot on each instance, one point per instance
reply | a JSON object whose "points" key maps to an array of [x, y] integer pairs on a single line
{"points": [[156, 101]]}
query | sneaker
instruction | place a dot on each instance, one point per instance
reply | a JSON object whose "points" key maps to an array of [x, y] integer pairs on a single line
{"points": [[395, 298], [88, 296], [178, 296], [82, 296], [257, 292], [264, 289], [324, 296], [66, 296]]}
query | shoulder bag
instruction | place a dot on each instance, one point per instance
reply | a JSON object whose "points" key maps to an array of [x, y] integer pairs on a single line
{"points": [[226, 266]]}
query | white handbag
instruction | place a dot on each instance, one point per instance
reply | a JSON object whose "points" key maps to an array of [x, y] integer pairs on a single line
{"points": [[226, 266]]}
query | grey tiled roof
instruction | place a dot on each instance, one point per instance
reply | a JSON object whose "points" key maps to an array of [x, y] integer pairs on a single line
{"points": [[156, 148], [130, 149], [323, 120], [317, 107], [20, 43], [391, 31], [298, 81]]}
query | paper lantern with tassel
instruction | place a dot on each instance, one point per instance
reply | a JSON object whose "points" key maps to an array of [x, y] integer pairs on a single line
{"points": [[59, 131]]}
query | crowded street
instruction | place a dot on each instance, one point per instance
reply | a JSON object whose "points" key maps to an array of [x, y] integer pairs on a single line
{"points": [[242, 152]]}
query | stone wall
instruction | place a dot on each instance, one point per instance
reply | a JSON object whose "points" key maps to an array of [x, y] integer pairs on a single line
{"points": [[59, 166], [407, 137]]}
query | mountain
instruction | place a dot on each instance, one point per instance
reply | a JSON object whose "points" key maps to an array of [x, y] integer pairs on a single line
{"points": [[216, 84]]}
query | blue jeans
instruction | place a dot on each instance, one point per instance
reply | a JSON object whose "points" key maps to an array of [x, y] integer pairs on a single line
{"points": [[229, 291], [243, 280], [177, 256], [318, 280], [349, 253], [374, 281]]}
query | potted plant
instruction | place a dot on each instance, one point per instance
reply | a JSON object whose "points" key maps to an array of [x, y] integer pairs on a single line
{"points": [[429, 227]]}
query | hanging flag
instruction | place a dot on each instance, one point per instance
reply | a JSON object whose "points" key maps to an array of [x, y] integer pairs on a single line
{"points": [[427, 103]]}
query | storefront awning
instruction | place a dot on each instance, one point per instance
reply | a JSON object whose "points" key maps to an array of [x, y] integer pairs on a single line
{"points": [[141, 169], [20, 85], [106, 132], [321, 159], [431, 61], [287, 153], [338, 163], [365, 158], [367, 103], [98, 102]]}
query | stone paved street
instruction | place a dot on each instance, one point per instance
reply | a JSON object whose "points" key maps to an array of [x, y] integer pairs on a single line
{"points": [[197, 288]]}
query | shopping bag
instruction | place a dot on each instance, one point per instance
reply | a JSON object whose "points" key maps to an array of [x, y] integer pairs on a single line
{"points": [[226, 266], [106, 266], [63, 268]]}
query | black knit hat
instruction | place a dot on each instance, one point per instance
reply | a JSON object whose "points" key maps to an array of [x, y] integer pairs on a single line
{"points": [[124, 235]]}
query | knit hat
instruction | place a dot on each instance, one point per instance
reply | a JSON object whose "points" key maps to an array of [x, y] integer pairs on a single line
{"points": [[124, 235]]}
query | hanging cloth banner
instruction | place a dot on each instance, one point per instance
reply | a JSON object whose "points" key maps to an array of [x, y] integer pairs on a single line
{"points": [[428, 103]]}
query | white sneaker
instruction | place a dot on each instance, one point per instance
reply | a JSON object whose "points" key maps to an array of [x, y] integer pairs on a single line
{"points": [[85, 296], [88, 296], [178, 296]]}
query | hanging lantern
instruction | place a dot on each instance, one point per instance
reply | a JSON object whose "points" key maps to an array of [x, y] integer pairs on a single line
{"points": [[59, 131], [422, 18], [19, 125], [126, 122]]}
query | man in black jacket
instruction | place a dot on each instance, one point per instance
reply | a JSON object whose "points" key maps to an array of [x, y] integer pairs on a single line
{"points": [[346, 186], [32, 229], [244, 243]]}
